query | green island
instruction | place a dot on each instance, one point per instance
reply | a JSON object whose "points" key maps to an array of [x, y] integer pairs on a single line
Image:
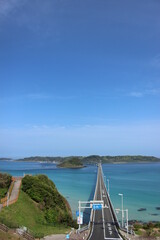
{"points": [[94, 159], [40, 208], [71, 163]]}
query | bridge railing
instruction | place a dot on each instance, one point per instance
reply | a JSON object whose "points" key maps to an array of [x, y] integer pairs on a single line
{"points": [[91, 217], [111, 205]]}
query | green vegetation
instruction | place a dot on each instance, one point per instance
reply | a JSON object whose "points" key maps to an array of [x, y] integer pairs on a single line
{"points": [[5, 181], [94, 159], [71, 163], [147, 229], [40, 208], [119, 159], [26, 212], [44, 193]]}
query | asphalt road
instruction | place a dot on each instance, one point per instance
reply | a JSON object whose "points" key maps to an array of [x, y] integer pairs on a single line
{"points": [[104, 226]]}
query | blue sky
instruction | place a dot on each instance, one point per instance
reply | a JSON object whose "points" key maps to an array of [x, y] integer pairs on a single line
{"points": [[79, 77]]}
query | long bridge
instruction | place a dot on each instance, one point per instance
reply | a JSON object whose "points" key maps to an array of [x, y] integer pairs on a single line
{"points": [[104, 224]]}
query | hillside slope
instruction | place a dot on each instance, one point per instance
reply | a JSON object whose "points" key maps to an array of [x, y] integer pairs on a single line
{"points": [[40, 208]]}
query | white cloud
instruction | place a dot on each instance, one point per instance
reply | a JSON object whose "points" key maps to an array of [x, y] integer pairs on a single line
{"points": [[7, 6], [136, 138], [138, 94]]}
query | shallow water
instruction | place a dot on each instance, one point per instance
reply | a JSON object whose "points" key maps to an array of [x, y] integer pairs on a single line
{"points": [[139, 183]]}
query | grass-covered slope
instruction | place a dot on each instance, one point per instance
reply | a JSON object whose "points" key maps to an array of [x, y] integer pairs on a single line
{"points": [[25, 212], [71, 163], [40, 208], [5, 181]]}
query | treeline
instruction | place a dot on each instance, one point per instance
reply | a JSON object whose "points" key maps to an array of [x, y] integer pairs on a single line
{"points": [[5, 181], [119, 159], [93, 159]]}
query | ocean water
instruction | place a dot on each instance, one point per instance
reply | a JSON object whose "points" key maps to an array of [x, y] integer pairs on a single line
{"points": [[139, 183]]}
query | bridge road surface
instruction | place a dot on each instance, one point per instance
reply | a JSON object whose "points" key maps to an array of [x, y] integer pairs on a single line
{"points": [[104, 226]]}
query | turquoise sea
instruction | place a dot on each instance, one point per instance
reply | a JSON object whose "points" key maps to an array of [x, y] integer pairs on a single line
{"points": [[139, 183]]}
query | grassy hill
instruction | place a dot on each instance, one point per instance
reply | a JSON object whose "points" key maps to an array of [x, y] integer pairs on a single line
{"points": [[71, 163], [40, 208]]}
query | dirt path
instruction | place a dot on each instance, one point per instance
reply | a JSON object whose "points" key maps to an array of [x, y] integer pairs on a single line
{"points": [[15, 190], [55, 237]]}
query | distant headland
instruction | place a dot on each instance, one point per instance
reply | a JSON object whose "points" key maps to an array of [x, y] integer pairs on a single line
{"points": [[5, 159], [80, 161]]}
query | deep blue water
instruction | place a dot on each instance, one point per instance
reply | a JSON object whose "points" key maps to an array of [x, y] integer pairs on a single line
{"points": [[139, 183]]}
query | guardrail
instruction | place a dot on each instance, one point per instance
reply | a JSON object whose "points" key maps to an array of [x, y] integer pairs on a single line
{"points": [[91, 217], [83, 229], [111, 205], [113, 212], [4, 228], [25, 235]]}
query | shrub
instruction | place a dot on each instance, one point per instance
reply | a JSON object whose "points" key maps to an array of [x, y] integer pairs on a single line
{"points": [[43, 191], [5, 180]]}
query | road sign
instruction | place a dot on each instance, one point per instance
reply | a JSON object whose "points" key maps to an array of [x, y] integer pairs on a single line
{"points": [[67, 236], [79, 218], [77, 213], [97, 206]]}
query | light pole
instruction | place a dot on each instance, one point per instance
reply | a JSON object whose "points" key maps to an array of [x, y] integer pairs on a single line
{"points": [[108, 186], [126, 210], [127, 221], [104, 180], [120, 194]]}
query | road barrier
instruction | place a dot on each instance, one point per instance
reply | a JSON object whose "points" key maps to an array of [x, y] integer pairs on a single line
{"points": [[111, 206], [25, 235], [91, 217], [83, 229], [4, 228]]}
